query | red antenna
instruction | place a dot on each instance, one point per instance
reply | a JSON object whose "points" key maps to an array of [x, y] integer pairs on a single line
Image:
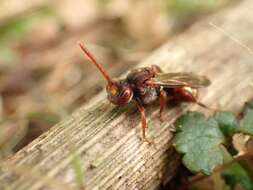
{"points": [[93, 60]]}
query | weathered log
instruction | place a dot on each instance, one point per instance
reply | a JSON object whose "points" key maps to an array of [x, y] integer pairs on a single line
{"points": [[106, 140]]}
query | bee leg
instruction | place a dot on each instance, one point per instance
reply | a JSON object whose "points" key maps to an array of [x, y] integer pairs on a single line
{"points": [[162, 101], [143, 122]]}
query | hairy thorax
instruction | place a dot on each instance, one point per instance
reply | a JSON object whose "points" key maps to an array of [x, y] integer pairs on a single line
{"points": [[143, 92]]}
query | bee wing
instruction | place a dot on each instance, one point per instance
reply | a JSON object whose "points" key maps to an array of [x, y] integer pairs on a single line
{"points": [[171, 80]]}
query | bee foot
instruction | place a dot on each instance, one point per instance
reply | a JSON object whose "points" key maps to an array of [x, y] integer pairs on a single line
{"points": [[144, 139]]}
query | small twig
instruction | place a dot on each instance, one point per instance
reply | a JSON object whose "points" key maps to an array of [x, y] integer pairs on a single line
{"points": [[232, 37]]}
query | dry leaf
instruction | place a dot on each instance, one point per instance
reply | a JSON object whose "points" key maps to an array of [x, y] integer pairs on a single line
{"points": [[42, 33], [243, 143], [77, 14]]}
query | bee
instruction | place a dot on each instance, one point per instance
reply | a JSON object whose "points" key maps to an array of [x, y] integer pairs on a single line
{"points": [[148, 84]]}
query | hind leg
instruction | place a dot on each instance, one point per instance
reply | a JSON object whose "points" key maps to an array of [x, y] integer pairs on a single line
{"points": [[191, 95], [143, 122], [162, 101]]}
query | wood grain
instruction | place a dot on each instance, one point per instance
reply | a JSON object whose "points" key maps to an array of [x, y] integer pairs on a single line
{"points": [[106, 138]]}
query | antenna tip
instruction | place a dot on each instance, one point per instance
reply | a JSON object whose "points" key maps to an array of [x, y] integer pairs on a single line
{"points": [[93, 60], [80, 43]]}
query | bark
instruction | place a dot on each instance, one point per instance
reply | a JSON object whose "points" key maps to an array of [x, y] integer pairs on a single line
{"points": [[103, 140]]}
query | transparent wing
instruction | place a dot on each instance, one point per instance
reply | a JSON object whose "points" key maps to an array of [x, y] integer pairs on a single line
{"points": [[171, 80]]}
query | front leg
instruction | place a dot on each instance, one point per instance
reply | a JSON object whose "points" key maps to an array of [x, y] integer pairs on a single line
{"points": [[143, 121]]}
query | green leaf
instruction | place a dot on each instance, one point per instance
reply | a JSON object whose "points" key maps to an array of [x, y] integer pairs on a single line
{"points": [[227, 123], [19, 27], [246, 123], [77, 167], [49, 117], [236, 174], [7, 55], [200, 141], [193, 6]]}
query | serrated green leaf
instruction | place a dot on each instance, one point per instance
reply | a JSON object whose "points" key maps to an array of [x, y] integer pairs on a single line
{"points": [[236, 174], [246, 123], [200, 141], [227, 122]]}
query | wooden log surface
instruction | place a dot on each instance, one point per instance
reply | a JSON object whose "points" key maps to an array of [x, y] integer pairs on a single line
{"points": [[105, 139]]}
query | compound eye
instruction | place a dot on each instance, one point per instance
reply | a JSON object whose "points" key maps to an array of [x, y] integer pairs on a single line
{"points": [[113, 90], [125, 93], [126, 96]]}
